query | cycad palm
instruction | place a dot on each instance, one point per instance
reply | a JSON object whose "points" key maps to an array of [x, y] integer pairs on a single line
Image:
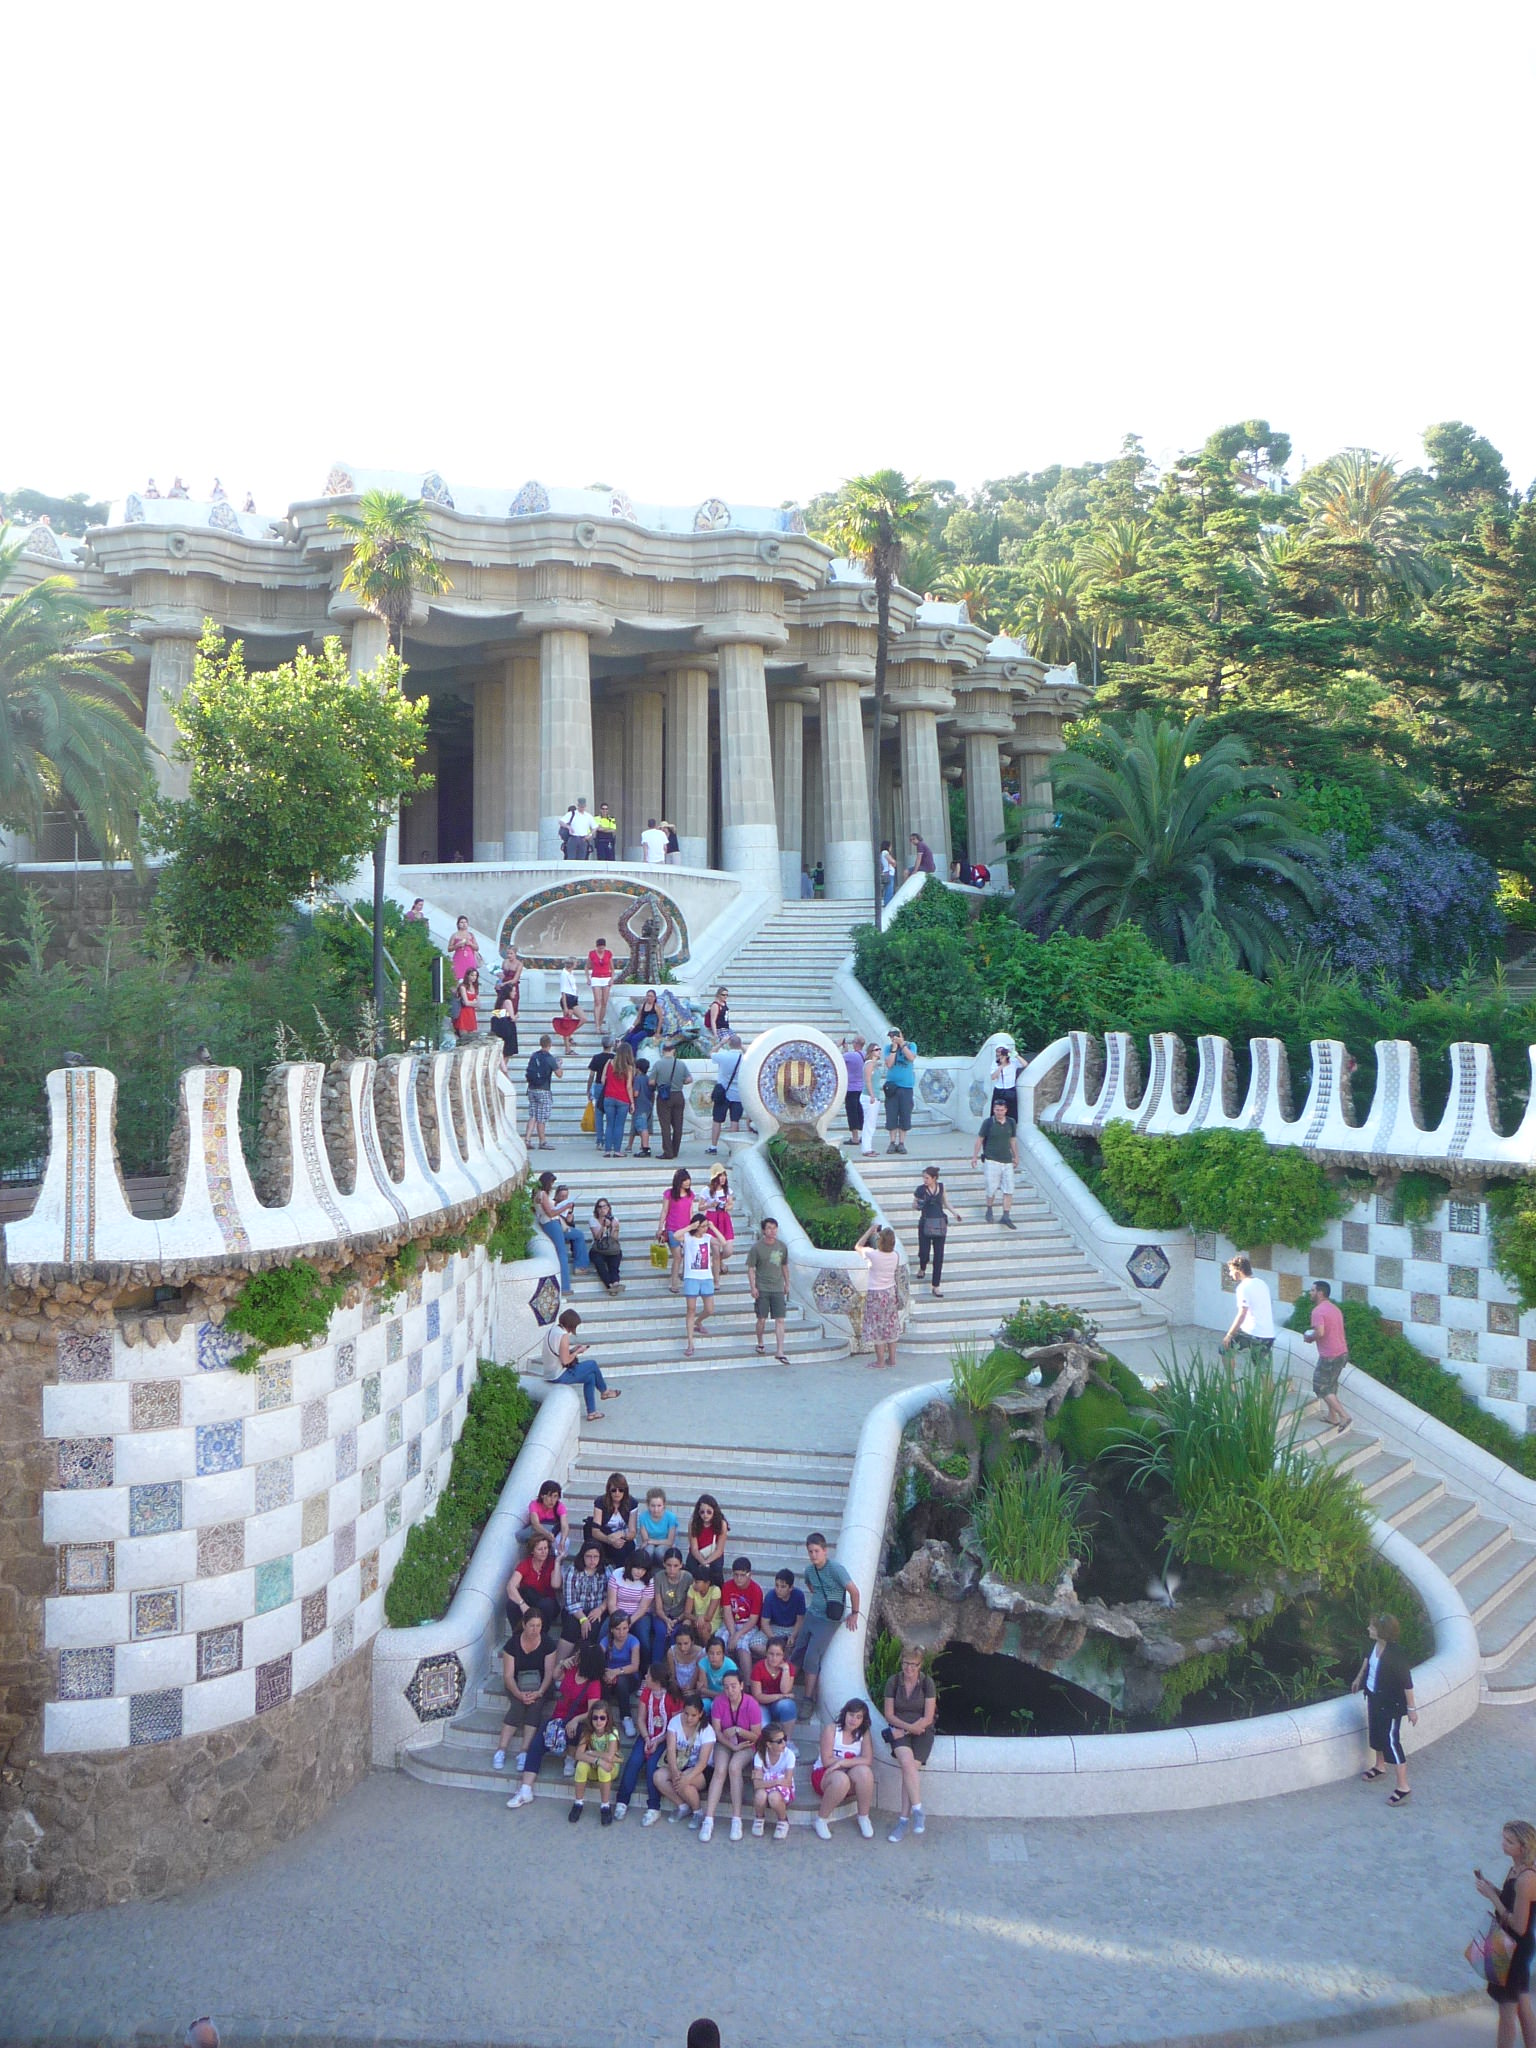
{"points": [[1362, 502], [875, 520], [67, 729], [1161, 829]]}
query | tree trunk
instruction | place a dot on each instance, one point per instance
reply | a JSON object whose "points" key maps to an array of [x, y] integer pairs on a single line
{"points": [[882, 643], [381, 847]]}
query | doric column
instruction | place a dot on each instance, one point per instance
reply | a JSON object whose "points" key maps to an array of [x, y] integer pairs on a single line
{"points": [[644, 722], [520, 838], [845, 794], [608, 761], [490, 767], [813, 833], [922, 781], [749, 840], [786, 719], [172, 653], [418, 818], [984, 717], [565, 732], [687, 762]]}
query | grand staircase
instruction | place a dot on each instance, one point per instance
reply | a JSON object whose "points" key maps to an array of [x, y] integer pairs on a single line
{"points": [[783, 974]]}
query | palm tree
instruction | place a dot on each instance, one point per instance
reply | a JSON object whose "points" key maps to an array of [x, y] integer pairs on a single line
{"points": [[976, 585], [1165, 829], [1113, 554], [1050, 614], [1363, 503], [876, 518], [67, 724], [393, 562]]}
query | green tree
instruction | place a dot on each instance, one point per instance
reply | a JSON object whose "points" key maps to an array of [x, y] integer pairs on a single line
{"points": [[67, 727], [393, 562], [876, 518], [1050, 614], [291, 769], [1166, 829], [1467, 468], [978, 586], [72, 515], [1377, 519]]}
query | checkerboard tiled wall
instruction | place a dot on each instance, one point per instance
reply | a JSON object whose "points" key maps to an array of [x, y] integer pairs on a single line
{"points": [[224, 1539], [1434, 1282]]}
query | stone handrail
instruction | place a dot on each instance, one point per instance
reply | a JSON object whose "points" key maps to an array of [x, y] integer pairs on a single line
{"points": [[354, 1153]]}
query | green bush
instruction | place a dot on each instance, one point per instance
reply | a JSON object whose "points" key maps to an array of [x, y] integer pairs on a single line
{"points": [[1416, 1196], [285, 1305], [1512, 1236], [1232, 1182], [514, 1229], [496, 1421], [1046, 1322], [1140, 1174], [813, 1177], [1098, 1420], [1400, 1365], [976, 1382], [809, 1163], [1028, 1521]]}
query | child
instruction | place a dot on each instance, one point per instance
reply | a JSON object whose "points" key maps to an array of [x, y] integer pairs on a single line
{"points": [[773, 1780], [621, 1672], [783, 1617], [707, 1532], [685, 1664], [742, 1604], [581, 1686], [690, 1750], [655, 1527], [715, 1669], [547, 1517], [630, 1594], [703, 1609], [737, 1720], [669, 1601], [773, 1684], [1388, 1686], [656, 1706], [719, 1202], [597, 1756], [698, 1274]]}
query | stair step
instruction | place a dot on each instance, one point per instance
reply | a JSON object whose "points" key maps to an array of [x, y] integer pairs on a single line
{"points": [[1438, 1520], [1382, 1468], [1406, 1497], [1508, 1627], [1503, 1572], [1513, 1683], [1470, 1547]]}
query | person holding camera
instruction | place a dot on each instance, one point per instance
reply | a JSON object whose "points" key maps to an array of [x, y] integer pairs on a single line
{"points": [[831, 1598]]}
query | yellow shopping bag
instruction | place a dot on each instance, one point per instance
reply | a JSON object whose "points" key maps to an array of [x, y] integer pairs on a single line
{"points": [[589, 1119]]}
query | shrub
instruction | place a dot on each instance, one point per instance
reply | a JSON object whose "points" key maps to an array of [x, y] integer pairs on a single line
{"points": [[1416, 906], [1099, 1419], [809, 1163], [1028, 1522], [1046, 1322], [976, 1382], [882, 1660], [1139, 1173], [496, 1421], [1512, 1236], [813, 1177], [284, 1305], [1251, 1191], [1417, 1196], [514, 1229]]}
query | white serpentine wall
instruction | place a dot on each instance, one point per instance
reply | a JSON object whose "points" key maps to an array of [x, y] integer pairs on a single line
{"points": [[1028, 1777]]}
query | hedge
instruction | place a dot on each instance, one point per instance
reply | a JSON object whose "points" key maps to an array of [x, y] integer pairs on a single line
{"points": [[1232, 1182]]}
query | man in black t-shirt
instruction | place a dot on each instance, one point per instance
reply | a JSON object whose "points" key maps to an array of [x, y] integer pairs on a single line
{"points": [[540, 1074], [597, 1073], [997, 1143]]}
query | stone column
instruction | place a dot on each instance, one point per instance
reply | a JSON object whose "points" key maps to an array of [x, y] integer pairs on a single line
{"points": [[418, 818], [786, 720], [749, 840], [644, 721], [608, 762], [490, 767], [922, 783], [369, 638], [984, 803], [687, 769], [813, 836], [565, 732], [172, 653], [845, 793], [520, 841]]}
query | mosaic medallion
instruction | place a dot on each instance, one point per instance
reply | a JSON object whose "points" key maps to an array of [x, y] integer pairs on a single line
{"points": [[434, 491], [936, 1084], [436, 1687], [1148, 1265], [531, 499], [545, 1299], [712, 516]]}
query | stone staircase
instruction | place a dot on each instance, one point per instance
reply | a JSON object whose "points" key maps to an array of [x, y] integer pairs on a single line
{"points": [[1492, 1565], [988, 1270], [783, 974]]}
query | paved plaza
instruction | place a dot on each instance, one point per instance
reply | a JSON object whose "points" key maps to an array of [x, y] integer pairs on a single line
{"points": [[416, 1914]]}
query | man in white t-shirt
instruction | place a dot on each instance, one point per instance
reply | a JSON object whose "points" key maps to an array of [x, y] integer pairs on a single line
{"points": [[653, 844], [1253, 1326], [580, 826]]}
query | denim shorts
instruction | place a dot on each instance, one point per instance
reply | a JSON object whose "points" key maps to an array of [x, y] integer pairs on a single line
{"points": [[697, 1284]]}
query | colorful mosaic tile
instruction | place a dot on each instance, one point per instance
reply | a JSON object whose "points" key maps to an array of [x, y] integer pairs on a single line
{"points": [[436, 1687], [220, 1549], [85, 1461], [372, 1395], [1389, 1272], [346, 1363], [413, 1457], [312, 1615], [1356, 1236], [368, 1576], [1462, 1282], [429, 1488], [85, 1355], [312, 1425], [1466, 1218], [1503, 1318], [154, 1717], [274, 1484], [345, 1552], [1427, 1243], [156, 1614], [341, 1640], [87, 1674], [394, 1340], [371, 1310], [448, 1353], [220, 1447], [156, 1404], [1530, 1354], [545, 1299], [1392, 1325], [1462, 1346], [1288, 1286], [154, 1510], [317, 1515], [434, 1320], [1383, 1208], [1424, 1308], [217, 1347], [274, 1387], [368, 1491], [392, 1514], [274, 1682], [219, 1650], [1320, 1263], [346, 1454], [1228, 1284], [274, 1584], [458, 1299], [432, 1400], [458, 1382], [413, 1291], [86, 1567], [413, 1373], [1503, 1383], [1356, 1290], [394, 1433]]}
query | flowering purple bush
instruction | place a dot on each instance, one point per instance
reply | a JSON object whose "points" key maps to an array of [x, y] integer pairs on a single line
{"points": [[1416, 906]]}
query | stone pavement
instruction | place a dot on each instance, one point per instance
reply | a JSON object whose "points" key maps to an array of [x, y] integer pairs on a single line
{"points": [[416, 1914]]}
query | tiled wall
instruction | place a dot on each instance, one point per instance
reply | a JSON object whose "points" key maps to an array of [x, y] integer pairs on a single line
{"points": [[1433, 1282], [224, 1539]]}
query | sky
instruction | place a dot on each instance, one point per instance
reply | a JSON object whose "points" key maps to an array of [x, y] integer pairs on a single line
{"points": [[698, 250]]}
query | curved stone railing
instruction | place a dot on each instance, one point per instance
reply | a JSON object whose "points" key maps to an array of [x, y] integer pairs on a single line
{"points": [[1027, 1777], [1104, 1081]]}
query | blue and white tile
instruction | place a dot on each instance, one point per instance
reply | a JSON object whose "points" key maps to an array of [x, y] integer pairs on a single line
{"points": [[155, 1506], [156, 1662], [218, 1447], [87, 1408], [221, 1497], [219, 1702], [156, 1455], [79, 1621], [214, 1603], [149, 1561], [71, 1725], [87, 1515]]}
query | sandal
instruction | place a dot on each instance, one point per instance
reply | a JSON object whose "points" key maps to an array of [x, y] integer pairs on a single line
{"points": [[779, 1358], [1376, 1771], [762, 1351], [1396, 1797]]}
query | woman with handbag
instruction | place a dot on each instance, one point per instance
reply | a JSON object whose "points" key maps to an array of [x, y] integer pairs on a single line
{"points": [[934, 1216], [672, 1224], [1512, 1935], [618, 1100], [607, 1252]]}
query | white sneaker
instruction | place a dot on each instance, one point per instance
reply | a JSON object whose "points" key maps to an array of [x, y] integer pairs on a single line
{"points": [[629, 1726], [736, 1828], [866, 1827], [520, 1761], [570, 1767], [499, 1760], [695, 1822], [819, 1825], [917, 1820], [706, 1827], [675, 1815], [650, 1817], [621, 1809], [523, 1796], [757, 1827], [781, 1831]]}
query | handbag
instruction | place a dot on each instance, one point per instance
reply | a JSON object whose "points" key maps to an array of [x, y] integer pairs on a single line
{"points": [[589, 1118], [1491, 1954], [554, 1737], [661, 1257]]}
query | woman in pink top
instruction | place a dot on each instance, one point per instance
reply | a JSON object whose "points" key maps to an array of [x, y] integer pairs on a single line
{"points": [[671, 1225], [882, 1323], [462, 951]]}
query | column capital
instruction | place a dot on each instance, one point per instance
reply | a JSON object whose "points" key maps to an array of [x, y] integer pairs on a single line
{"points": [[152, 626], [663, 665], [742, 629], [565, 615]]}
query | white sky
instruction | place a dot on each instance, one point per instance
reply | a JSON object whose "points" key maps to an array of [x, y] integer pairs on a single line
{"points": [[706, 249]]}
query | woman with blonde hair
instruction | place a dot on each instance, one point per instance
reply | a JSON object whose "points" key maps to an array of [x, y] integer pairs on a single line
{"points": [[1514, 1923], [882, 1322]]}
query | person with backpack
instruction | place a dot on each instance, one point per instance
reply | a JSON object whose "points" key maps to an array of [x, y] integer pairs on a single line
{"points": [[578, 828], [540, 1074], [727, 1096]]}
